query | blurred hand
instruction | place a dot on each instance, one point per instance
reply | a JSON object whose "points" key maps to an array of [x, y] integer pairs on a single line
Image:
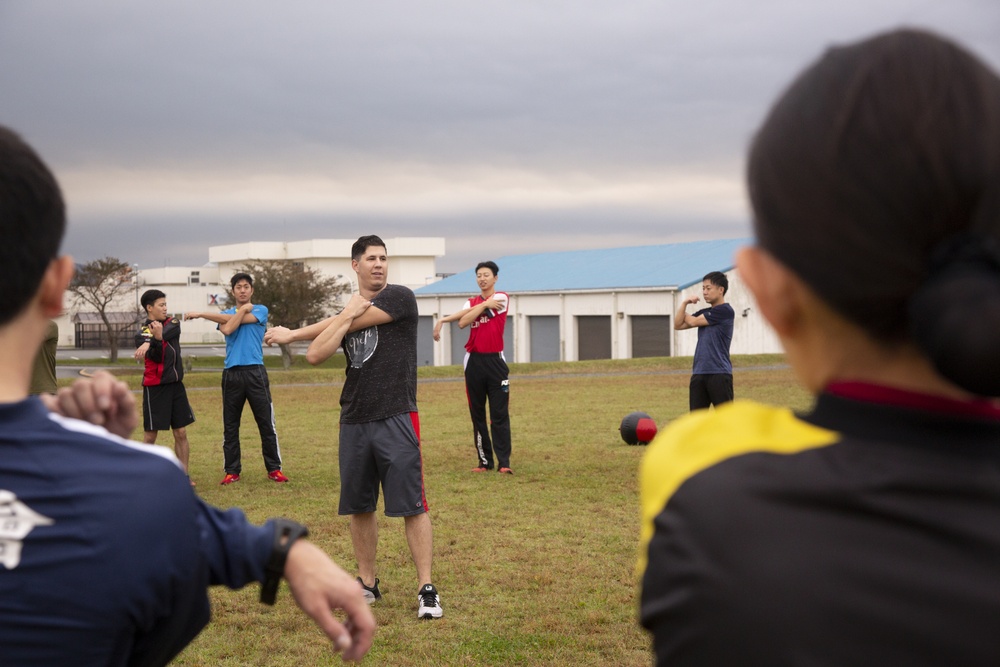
{"points": [[319, 586], [278, 336], [102, 400], [140, 352]]}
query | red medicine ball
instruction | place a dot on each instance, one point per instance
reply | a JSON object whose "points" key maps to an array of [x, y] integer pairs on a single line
{"points": [[638, 428]]}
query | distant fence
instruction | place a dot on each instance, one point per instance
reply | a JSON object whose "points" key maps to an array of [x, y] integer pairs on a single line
{"points": [[91, 336]]}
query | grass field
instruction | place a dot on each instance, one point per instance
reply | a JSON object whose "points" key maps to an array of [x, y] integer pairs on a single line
{"points": [[533, 569]]}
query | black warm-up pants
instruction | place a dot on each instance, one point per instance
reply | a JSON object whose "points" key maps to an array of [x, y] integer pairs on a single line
{"points": [[241, 385], [486, 378]]}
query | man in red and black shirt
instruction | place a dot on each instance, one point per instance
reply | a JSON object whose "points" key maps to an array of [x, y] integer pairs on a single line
{"points": [[164, 400], [486, 373]]}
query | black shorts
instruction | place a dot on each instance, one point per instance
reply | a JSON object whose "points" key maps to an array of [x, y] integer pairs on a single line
{"points": [[387, 452], [710, 389], [165, 406]]}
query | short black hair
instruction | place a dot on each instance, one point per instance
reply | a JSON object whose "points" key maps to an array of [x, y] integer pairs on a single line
{"points": [[150, 296], [238, 277], [492, 266], [719, 279], [32, 222], [363, 243]]}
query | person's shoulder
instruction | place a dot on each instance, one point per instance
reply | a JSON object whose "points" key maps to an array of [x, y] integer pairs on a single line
{"points": [[260, 308], [704, 438], [401, 290], [228, 311], [88, 445]]}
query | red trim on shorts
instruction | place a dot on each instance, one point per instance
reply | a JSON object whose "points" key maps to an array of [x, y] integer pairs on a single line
{"points": [[415, 419]]}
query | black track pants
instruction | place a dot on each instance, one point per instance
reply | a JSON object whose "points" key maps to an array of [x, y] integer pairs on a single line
{"points": [[241, 385], [486, 378]]}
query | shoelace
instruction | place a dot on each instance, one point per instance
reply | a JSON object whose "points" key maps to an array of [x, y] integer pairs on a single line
{"points": [[428, 599]]}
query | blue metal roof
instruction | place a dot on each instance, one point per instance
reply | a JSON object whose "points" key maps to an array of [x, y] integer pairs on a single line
{"points": [[673, 265]]}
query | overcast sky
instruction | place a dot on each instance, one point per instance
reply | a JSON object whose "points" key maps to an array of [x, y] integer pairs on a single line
{"points": [[505, 127]]}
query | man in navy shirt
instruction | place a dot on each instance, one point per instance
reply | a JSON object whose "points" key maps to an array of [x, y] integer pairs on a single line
{"points": [[712, 375], [105, 552]]}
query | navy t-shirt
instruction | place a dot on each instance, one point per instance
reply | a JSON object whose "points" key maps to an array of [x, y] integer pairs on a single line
{"points": [[711, 356]]}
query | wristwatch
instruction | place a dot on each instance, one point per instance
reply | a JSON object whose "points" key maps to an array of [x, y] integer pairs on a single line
{"points": [[285, 534]]}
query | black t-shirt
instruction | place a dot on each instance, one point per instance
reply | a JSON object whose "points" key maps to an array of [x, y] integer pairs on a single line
{"points": [[382, 362]]}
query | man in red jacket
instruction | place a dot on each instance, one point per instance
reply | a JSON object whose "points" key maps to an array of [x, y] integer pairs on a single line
{"points": [[164, 401]]}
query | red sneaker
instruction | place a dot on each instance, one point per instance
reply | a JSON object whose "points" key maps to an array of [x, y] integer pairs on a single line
{"points": [[506, 471], [229, 479], [480, 469], [277, 476]]}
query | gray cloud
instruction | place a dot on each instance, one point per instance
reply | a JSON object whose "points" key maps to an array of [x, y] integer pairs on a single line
{"points": [[562, 124]]}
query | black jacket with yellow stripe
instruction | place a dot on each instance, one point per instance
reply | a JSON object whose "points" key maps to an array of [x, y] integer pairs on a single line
{"points": [[864, 533]]}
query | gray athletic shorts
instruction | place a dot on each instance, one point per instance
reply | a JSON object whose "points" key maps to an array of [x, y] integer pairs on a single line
{"points": [[387, 452]]}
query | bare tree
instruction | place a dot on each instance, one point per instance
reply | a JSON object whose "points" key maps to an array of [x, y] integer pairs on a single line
{"points": [[100, 284], [295, 295]]}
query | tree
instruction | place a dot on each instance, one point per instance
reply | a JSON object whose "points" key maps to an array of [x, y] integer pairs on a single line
{"points": [[101, 284], [295, 295]]}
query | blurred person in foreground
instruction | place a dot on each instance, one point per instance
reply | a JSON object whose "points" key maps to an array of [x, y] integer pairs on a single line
{"points": [[43, 372], [866, 531], [106, 552]]}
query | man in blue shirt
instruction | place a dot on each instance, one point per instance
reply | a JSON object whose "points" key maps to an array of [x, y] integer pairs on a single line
{"points": [[244, 379], [106, 554], [712, 375]]}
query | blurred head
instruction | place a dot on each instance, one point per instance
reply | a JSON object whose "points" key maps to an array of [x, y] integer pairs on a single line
{"points": [[32, 223], [875, 179]]}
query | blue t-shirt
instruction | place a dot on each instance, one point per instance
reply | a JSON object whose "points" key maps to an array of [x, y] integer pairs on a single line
{"points": [[244, 347], [106, 555], [711, 356]]}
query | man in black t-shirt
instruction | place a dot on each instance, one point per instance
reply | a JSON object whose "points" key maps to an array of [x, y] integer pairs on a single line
{"points": [[379, 427]]}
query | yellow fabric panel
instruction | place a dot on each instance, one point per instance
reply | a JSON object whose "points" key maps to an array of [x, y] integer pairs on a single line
{"points": [[702, 439]]}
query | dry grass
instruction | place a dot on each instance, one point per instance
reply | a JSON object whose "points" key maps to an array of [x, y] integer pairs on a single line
{"points": [[533, 569]]}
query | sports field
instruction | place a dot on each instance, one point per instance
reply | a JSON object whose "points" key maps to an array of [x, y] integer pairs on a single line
{"points": [[533, 569]]}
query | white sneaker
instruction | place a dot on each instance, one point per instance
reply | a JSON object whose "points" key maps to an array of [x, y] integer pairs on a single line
{"points": [[429, 603]]}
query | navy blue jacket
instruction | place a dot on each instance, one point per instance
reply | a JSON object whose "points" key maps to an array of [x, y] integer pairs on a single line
{"points": [[106, 554]]}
